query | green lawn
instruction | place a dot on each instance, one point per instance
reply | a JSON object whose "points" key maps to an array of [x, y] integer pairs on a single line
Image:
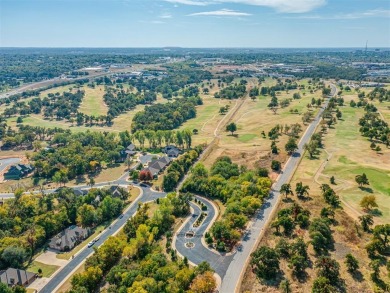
{"points": [[47, 270], [246, 137]]}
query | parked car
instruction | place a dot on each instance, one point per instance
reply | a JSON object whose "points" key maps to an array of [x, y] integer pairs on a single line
{"points": [[90, 244]]}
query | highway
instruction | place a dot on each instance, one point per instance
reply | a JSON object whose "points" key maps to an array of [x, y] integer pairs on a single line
{"points": [[44, 83]]}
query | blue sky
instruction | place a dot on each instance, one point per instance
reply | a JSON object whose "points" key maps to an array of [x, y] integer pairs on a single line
{"points": [[194, 23]]}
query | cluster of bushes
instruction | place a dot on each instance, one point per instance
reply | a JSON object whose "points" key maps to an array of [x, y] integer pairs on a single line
{"points": [[27, 222], [231, 92], [178, 168], [201, 204], [166, 116], [373, 127], [179, 77], [133, 261], [76, 154], [380, 93], [240, 190], [119, 101], [279, 87], [56, 105], [27, 136], [200, 219]]}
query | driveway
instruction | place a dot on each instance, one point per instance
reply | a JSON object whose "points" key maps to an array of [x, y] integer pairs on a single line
{"points": [[199, 253], [4, 163], [50, 258]]}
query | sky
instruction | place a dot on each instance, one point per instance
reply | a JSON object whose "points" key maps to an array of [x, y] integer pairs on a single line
{"points": [[195, 23]]}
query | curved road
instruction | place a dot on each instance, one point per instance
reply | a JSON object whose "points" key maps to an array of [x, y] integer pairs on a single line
{"points": [[199, 253], [232, 267]]}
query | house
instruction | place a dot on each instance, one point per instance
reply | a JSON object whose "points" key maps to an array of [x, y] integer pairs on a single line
{"points": [[117, 191], [15, 172], [13, 277], [130, 150], [157, 166], [171, 151], [69, 238], [80, 192]]}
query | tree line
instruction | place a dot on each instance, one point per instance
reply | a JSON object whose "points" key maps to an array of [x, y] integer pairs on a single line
{"points": [[241, 190], [27, 222], [135, 261], [166, 116]]}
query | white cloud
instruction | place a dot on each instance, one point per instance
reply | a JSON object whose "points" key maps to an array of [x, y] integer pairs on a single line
{"points": [[222, 12], [353, 15], [166, 16], [190, 2], [287, 6]]}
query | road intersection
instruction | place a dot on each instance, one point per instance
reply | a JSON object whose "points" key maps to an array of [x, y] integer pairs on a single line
{"points": [[229, 267]]}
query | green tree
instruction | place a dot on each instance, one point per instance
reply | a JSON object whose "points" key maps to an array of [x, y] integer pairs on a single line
{"points": [[231, 127], [286, 190], [291, 145], [265, 262], [327, 267], [285, 286], [301, 190], [366, 221], [351, 262], [311, 148], [368, 202], [323, 285], [362, 180], [14, 256]]}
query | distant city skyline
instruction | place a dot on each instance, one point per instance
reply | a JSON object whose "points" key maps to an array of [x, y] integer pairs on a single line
{"points": [[195, 23]]}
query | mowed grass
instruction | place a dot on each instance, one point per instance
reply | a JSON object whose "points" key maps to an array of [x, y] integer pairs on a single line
{"points": [[207, 118], [255, 117], [47, 270], [93, 103], [351, 155]]}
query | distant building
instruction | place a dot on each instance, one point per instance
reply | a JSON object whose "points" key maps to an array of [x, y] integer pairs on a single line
{"points": [[69, 238], [13, 277], [15, 172]]}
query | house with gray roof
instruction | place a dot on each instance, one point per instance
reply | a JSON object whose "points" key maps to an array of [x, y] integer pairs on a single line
{"points": [[15, 277], [67, 239], [155, 167], [171, 151], [15, 172]]}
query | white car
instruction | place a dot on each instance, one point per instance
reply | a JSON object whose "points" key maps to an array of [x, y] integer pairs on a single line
{"points": [[91, 244]]}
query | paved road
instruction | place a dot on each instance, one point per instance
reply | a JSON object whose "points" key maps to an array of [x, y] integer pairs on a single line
{"points": [[64, 273], [200, 253], [44, 83], [4, 163], [232, 278], [231, 267]]}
